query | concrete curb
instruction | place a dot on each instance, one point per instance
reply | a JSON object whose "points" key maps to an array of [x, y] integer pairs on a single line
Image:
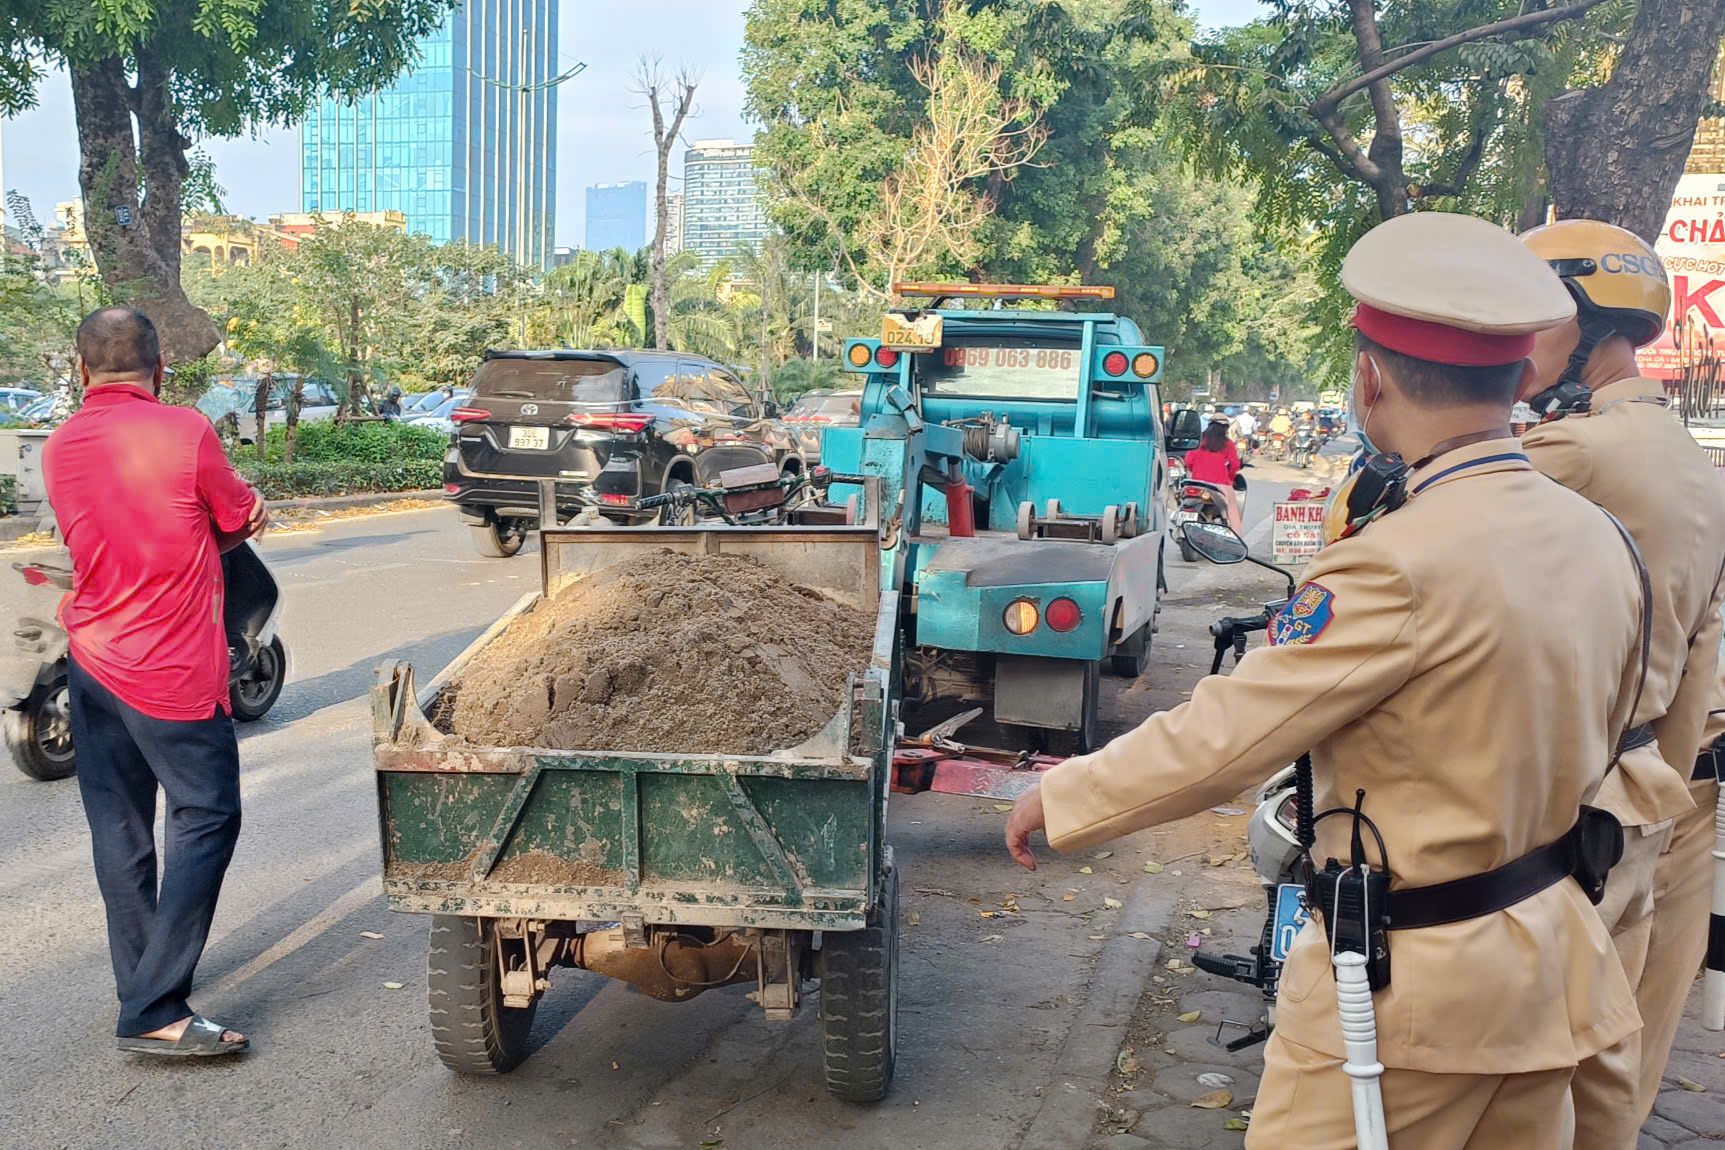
{"points": [[337, 502], [1081, 1069], [16, 526]]}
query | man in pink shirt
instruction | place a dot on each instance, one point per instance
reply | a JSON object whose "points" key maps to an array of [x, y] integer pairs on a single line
{"points": [[147, 502]]}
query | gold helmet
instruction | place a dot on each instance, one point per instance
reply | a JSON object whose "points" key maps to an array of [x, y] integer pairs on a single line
{"points": [[1617, 279]]}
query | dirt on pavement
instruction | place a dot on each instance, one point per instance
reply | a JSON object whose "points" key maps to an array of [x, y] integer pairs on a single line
{"points": [[691, 654]]}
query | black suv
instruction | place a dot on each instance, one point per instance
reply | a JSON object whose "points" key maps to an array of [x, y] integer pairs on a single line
{"points": [[609, 426]]}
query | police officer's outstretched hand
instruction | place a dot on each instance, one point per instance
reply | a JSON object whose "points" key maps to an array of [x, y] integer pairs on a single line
{"points": [[1026, 818]]}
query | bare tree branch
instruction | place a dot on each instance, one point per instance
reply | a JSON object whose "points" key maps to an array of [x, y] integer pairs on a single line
{"points": [[679, 93]]}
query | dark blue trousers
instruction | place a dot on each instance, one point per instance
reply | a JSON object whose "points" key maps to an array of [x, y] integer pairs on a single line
{"points": [[155, 935]]}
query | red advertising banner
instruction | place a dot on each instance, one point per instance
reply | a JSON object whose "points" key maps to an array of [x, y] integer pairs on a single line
{"points": [[1693, 248]]}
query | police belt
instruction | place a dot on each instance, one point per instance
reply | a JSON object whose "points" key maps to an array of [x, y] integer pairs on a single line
{"points": [[1707, 764], [1586, 852]]}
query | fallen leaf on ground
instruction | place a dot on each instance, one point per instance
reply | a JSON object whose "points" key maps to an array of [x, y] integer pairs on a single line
{"points": [[1003, 807], [1112, 903], [1152, 868], [993, 938], [1176, 965], [1086, 870], [986, 913], [369, 934], [1199, 913], [1215, 1100], [1235, 1124], [1696, 1087], [614, 1065], [1216, 860], [915, 919], [1214, 1080], [1236, 856], [1103, 855], [1067, 897], [1125, 1063], [1137, 934], [1190, 1016], [1097, 937], [393, 985]]}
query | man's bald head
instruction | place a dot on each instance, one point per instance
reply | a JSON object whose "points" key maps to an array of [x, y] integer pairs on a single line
{"points": [[118, 343]]}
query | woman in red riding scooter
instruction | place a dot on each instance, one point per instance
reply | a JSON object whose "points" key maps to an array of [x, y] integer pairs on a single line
{"points": [[1215, 461]]}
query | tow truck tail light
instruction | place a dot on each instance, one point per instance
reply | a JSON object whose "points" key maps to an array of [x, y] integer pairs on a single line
{"points": [[1063, 615], [468, 414], [1114, 363], [858, 355], [1021, 617], [633, 422], [885, 357]]}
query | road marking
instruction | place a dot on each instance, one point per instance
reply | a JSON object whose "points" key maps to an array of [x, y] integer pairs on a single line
{"points": [[370, 887]]}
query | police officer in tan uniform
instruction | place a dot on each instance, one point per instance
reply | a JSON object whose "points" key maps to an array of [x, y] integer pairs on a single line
{"points": [[1608, 435], [1420, 663]]}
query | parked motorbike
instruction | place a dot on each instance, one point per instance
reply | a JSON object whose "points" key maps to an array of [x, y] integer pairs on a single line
{"points": [[35, 721], [1304, 447], [1273, 834]]}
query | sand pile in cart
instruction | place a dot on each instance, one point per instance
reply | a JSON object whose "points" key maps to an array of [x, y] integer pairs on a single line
{"points": [[697, 654]]}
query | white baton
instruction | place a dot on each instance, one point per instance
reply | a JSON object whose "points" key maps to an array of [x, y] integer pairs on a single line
{"points": [[1360, 1040], [1713, 982]]}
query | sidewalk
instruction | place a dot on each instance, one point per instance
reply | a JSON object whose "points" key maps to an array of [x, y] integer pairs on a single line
{"points": [[1157, 1077]]}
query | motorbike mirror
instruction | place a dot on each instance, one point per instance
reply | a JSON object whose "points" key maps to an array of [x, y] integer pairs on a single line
{"points": [[1216, 542]]}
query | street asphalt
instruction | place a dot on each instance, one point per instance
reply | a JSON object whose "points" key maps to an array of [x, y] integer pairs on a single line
{"points": [[998, 1010]]}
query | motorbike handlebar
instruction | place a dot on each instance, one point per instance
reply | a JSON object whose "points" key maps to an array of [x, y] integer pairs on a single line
{"points": [[1230, 625]]}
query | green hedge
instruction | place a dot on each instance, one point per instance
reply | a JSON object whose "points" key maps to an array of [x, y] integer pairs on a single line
{"points": [[8, 495], [340, 477], [373, 442]]}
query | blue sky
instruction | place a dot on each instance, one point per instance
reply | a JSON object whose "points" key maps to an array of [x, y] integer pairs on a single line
{"points": [[603, 130]]}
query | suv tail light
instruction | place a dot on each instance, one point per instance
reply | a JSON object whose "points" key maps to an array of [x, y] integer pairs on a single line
{"points": [[633, 422], [468, 414]]}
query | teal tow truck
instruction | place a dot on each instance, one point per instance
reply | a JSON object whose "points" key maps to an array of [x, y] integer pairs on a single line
{"points": [[1017, 453]]}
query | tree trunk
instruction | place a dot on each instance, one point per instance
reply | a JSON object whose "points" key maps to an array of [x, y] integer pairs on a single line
{"points": [[1615, 152], [661, 290], [132, 196], [290, 432], [261, 407]]}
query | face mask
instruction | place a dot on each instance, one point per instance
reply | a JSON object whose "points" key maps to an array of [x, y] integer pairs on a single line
{"points": [[1357, 423]]}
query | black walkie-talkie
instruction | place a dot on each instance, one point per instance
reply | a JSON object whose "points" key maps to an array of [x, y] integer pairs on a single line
{"points": [[1354, 901]]}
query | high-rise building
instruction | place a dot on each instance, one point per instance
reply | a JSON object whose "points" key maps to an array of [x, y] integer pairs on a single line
{"points": [[465, 144], [722, 208], [617, 216]]}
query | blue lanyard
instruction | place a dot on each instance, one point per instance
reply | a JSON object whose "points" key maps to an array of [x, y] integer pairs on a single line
{"points": [[1500, 458]]}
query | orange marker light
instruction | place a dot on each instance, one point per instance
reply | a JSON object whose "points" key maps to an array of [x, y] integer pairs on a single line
{"points": [[859, 355], [1021, 616], [1144, 365]]}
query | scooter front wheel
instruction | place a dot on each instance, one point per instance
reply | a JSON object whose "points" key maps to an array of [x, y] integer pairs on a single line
{"points": [[251, 696], [38, 733]]}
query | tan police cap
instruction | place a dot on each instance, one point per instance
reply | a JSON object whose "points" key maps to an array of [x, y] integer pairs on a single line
{"points": [[1452, 289]]}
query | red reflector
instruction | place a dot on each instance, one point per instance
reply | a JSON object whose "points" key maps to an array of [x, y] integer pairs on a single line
{"points": [[885, 357], [452, 489], [615, 500], [633, 422], [1194, 493], [468, 414], [1062, 614], [34, 576], [1114, 363]]}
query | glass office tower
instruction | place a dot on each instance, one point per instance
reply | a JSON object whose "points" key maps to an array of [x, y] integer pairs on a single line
{"points": [[722, 207], [464, 143], [617, 217]]}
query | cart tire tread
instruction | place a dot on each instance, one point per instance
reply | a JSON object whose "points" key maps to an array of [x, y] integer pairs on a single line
{"points": [[19, 730], [473, 1031], [858, 1006]]}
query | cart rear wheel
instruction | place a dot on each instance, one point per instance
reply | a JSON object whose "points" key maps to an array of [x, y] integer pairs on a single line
{"points": [[473, 1031], [1127, 661], [38, 732], [859, 1002]]}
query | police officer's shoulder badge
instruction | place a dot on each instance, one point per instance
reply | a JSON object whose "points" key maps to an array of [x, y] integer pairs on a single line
{"points": [[1305, 617]]}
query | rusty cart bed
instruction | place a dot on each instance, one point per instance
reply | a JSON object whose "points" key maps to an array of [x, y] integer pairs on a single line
{"points": [[673, 872]]}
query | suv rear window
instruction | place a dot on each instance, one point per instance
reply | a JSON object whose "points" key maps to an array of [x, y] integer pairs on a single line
{"points": [[559, 380], [1005, 369]]}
